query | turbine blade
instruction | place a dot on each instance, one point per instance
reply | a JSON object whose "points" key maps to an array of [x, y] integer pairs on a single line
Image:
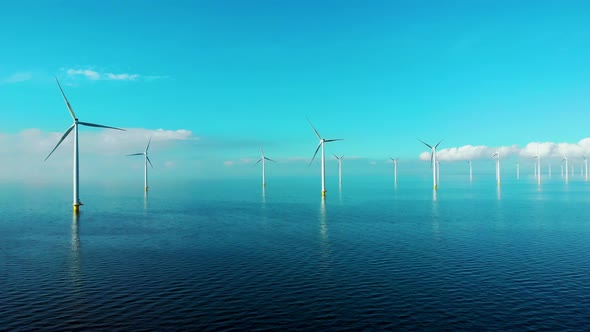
{"points": [[270, 159], [259, 160], [148, 145], [316, 152], [335, 156], [312, 127], [428, 145], [61, 140], [136, 154], [333, 140], [149, 161], [438, 143], [66, 99], [98, 126]]}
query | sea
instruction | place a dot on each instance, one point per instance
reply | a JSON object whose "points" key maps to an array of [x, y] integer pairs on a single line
{"points": [[230, 255]]}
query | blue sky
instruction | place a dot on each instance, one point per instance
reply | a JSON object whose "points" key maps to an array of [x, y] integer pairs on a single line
{"points": [[239, 74]]}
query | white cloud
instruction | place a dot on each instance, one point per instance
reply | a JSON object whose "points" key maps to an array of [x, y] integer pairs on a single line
{"points": [[470, 152], [557, 150], [121, 77], [108, 76], [91, 74], [18, 77]]}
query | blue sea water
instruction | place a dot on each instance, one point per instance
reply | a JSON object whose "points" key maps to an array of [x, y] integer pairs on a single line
{"points": [[227, 255]]}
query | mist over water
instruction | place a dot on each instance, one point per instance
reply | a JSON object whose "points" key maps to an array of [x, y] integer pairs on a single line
{"points": [[218, 255]]}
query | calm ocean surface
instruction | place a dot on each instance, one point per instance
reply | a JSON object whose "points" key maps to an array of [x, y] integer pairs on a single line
{"points": [[224, 255]]}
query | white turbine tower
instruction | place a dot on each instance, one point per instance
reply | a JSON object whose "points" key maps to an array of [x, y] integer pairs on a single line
{"points": [[566, 168], [433, 162], [339, 168], [549, 168], [263, 159], [437, 172], [517, 171], [470, 171], [76, 197], [146, 161], [321, 144], [586, 168], [497, 155], [394, 168], [538, 167]]}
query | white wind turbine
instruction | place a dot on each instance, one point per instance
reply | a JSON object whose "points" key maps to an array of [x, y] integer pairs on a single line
{"points": [[433, 162], [263, 159], [497, 155], [586, 167], [517, 170], [394, 168], [146, 161], [339, 168], [321, 144], [470, 171], [538, 168], [76, 197], [566, 168]]}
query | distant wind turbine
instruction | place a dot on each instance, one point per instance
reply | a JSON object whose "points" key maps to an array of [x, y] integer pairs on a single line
{"points": [[76, 197], [394, 168], [339, 168], [517, 171], [586, 167], [566, 168], [263, 159], [321, 144], [538, 166], [146, 161], [470, 171], [433, 162], [497, 155], [437, 172]]}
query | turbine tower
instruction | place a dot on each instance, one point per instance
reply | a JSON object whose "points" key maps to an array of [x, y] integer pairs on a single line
{"points": [[321, 144], [586, 167], [538, 168], [517, 171], [339, 168], [470, 171], [146, 161], [497, 155], [433, 162], [263, 159], [394, 168], [76, 174], [566, 168]]}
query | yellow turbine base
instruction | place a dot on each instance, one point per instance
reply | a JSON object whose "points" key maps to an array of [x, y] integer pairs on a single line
{"points": [[435, 187], [323, 193], [76, 208], [146, 188]]}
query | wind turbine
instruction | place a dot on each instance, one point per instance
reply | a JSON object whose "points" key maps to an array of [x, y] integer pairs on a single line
{"points": [[538, 168], [586, 167], [470, 171], [433, 162], [146, 161], [321, 144], [566, 169], [549, 168], [339, 168], [497, 155], [394, 168], [437, 172], [76, 197], [263, 159], [517, 171]]}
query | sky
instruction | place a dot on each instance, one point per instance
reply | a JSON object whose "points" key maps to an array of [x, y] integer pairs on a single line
{"points": [[213, 81]]}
